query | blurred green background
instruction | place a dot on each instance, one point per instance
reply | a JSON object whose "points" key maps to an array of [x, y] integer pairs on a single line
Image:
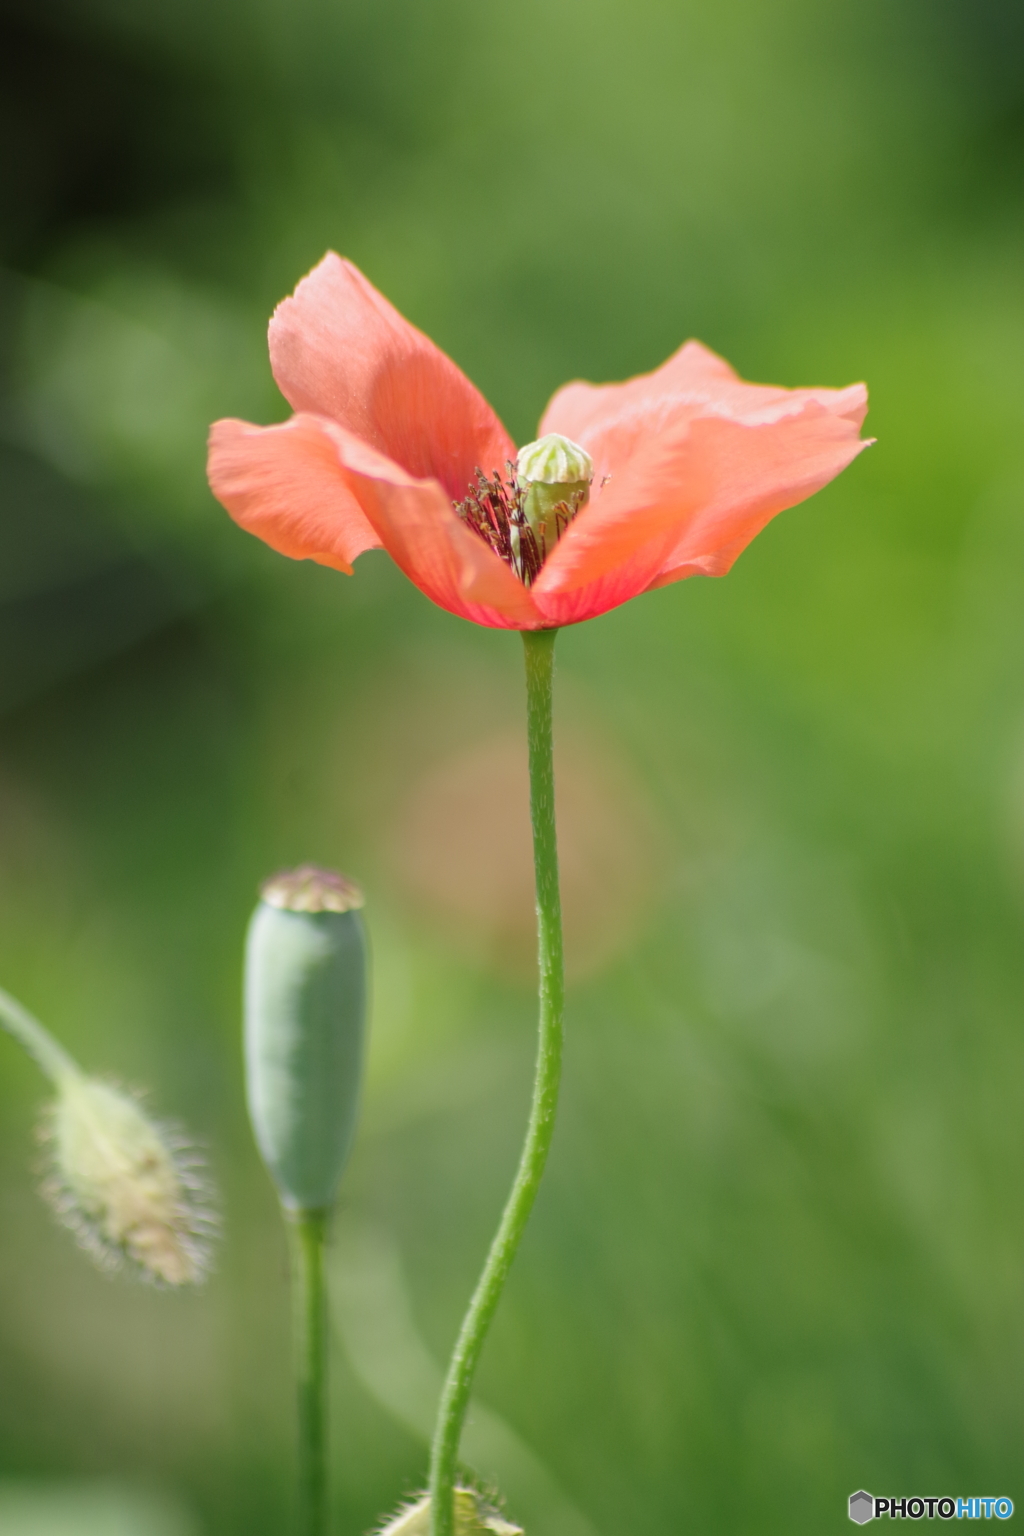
{"points": [[778, 1255]]}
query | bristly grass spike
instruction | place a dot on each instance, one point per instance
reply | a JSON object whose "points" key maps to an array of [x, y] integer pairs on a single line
{"points": [[132, 1189]]}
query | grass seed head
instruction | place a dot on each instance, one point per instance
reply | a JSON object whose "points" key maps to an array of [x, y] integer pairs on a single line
{"points": [[474, 1516], [129, 1188]]}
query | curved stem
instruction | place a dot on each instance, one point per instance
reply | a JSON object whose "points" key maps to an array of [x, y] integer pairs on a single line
{"points": [[540, 656], [308, 1231], [37, 1041]]}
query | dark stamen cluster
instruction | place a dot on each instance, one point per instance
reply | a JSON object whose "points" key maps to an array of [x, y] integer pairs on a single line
{"points": [[494, 509]]}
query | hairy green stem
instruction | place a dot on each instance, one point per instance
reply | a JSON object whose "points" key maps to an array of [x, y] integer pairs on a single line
{"points": [[308, 1231], [37, 1041], [444, 1460]]}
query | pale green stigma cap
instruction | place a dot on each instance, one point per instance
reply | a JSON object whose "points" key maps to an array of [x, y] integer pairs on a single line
{"points": [[555, 460]]}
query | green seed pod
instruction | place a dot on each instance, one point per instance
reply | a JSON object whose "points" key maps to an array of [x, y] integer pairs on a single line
{"points": [[555, 474], [305, 1019]]}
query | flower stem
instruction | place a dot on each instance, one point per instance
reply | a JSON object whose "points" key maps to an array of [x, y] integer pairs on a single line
{"points": [[308, 1230], [540, 657], [37, 1041]]}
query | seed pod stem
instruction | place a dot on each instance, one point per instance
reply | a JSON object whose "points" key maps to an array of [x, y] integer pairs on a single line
{"points": [[307, 1232]]}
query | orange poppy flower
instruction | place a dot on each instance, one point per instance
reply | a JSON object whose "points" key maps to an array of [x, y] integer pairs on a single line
{"points": [[672, 473]]}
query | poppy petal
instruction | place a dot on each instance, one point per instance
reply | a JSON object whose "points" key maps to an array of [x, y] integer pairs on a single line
{"points": [[314, 491], [339, 349], [613, 421], [689, 501], [684, 384], [283, 484]]}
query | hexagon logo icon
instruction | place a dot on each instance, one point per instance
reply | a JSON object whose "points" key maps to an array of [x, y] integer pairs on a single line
{"points": [[862, 1507]]}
